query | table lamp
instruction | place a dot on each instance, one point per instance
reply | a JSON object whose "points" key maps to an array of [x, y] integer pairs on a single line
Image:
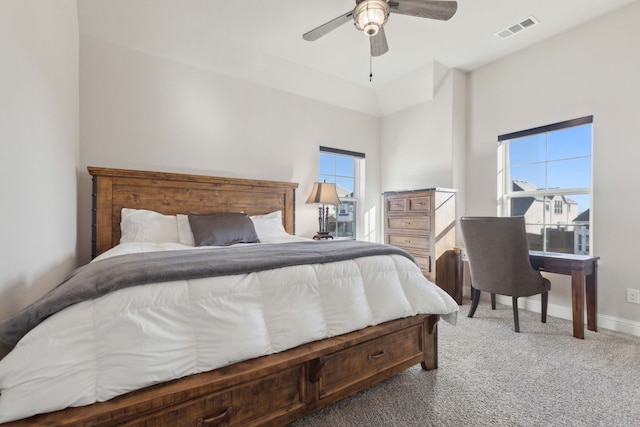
{"points": [[325, 194]]}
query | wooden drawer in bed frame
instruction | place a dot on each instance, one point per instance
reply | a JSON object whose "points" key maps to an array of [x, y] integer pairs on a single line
{"points": [[271, 390]]}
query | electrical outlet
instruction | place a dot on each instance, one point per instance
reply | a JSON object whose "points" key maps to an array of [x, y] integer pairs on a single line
{"points": [[633, 296]]}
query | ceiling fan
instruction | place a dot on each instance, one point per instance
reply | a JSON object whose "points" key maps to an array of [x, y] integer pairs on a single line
{"points": [[369, 16]]}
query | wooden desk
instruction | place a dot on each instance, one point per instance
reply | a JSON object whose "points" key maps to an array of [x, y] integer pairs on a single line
{"points": [[583, 270]]}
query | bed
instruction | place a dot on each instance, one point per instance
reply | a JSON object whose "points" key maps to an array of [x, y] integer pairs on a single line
{"points": [[360, 321]]}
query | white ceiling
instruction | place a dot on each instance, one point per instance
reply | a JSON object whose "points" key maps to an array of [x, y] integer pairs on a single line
{"points": [[261, 40]]}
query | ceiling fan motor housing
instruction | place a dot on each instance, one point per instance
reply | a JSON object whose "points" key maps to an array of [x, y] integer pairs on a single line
{"points": [[370, 15]]}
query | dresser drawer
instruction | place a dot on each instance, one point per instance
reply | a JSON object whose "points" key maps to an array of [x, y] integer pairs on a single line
{"points": [[418, 242], [419, 204], [421, 223], [355, 364], [397, 204], [416, 203], [424, 262], [262, 399]]}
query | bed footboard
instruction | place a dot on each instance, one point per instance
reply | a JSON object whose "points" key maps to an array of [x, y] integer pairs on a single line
{"points": [[271, 390]]}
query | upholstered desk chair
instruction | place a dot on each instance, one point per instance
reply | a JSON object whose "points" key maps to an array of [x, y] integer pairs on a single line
{"points": [[499, 262]]}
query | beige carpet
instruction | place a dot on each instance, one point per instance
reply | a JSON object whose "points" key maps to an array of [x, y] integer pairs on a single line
{"points": [[491, 376]]}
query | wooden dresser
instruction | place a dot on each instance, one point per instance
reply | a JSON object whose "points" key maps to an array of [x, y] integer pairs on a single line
{"points": [[423, 222]]}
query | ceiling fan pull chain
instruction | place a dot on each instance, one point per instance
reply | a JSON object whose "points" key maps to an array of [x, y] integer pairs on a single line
{"points": [[370, 68]]}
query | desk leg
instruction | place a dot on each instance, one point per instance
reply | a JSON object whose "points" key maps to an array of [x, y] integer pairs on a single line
{"points": [[577, 302], [458, 274], [592, 297]]}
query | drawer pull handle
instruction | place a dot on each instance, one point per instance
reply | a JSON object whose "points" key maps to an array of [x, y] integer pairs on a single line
{"points": [[376, 356], [215, 420], [408, 223]]}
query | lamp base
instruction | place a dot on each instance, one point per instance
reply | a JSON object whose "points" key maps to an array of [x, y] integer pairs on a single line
{"points": [[322, 235]]}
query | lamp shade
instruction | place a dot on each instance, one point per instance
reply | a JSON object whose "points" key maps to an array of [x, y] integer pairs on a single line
{"points": [[325, 193]]}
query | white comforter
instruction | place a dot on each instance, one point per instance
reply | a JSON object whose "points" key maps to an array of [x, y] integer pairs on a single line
{"points": [[143, 335]]}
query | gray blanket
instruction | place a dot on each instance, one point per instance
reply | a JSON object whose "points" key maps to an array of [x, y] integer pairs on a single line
{"points": [[101, 277]]}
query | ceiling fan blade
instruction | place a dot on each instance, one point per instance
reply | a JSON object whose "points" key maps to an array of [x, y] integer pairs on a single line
{"points": [[327, 27], [440, 10], [378, 43]]}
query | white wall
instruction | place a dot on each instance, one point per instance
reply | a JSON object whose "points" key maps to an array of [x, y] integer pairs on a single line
{"points": [[39, 147], [592, 69], [145, 112], [418, 142]]}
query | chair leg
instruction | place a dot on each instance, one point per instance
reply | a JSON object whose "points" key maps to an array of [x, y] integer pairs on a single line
{"points": [[515, 313], [545, 302], [493, 301], [474, 302]]}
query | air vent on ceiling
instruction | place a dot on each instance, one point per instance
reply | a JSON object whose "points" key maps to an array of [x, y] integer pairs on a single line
{"points": [[516, 28]]}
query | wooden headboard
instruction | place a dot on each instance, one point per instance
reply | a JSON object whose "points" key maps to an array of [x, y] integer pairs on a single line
{"points": [[173, 193]]}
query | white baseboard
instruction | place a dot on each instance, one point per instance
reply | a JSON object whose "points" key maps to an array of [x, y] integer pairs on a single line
{"points": [[607, 322]]}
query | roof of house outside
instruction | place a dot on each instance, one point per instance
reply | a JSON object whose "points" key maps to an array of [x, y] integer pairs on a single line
{"points": [[583, 217], [523, 185]]}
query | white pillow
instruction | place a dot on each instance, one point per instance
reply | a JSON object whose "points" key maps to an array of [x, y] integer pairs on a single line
{"points": [[269, 225], [184, 230], [141, 225]]}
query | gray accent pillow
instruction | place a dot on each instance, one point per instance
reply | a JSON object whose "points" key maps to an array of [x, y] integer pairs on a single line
{"points": [[222, 228]]}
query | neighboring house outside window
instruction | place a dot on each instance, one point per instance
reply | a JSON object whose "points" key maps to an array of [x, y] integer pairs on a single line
{"points": [[343, 168], [544, 174]]}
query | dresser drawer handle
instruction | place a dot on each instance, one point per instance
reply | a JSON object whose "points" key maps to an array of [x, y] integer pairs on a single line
{"points": [[408, 223], [377, 355], [215, 420]]}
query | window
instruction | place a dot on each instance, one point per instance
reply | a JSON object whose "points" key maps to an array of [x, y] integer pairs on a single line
{"points": [[344, 169], [544, 174], [557, 207]]}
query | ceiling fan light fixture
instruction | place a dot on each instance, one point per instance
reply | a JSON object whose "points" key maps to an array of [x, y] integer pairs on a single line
{"points": [[370, 15], [371, 29]]}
